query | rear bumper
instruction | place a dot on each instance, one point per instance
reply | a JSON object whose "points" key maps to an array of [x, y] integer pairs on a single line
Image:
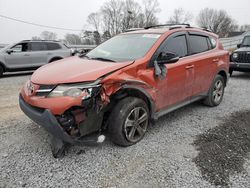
{"points": [[240, 66], [46, 119]]}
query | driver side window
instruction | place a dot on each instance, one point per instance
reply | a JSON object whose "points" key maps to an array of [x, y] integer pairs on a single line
{"points": [[22, 47], [177, 45]]}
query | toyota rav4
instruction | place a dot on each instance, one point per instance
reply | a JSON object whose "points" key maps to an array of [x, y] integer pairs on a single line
{"points": [[125, 83]]}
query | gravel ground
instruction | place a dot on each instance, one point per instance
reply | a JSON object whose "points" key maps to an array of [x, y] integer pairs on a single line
{"points": [[174, 153]]}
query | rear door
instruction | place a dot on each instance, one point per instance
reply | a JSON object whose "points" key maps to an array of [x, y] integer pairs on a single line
{"points": [[200, 50], [177, 86], [39, 53], [20, 57]]}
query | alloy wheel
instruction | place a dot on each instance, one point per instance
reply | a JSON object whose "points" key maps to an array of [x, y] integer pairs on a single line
{"points": [[136, 124]]}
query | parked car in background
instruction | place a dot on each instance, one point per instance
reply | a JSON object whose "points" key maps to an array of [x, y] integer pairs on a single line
{"points": [[125, 82], [31, 54], [240, 58]]}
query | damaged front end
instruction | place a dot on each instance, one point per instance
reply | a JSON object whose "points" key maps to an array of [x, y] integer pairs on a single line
{"points": [[82, 122]]}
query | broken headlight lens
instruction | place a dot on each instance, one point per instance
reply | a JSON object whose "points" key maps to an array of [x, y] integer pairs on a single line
{"points": [[74, 90]]}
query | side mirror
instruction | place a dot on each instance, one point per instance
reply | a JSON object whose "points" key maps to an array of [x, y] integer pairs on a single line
{"points": [[238, 45], [167, 58], [9, 51]]}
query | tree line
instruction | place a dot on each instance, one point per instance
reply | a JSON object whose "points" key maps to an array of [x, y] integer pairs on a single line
{"points": [[116, 16]]}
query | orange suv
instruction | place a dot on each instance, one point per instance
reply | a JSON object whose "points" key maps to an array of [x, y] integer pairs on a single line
{"points": [[124, 83]]}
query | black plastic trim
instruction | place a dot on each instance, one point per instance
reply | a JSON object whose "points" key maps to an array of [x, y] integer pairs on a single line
{"points": [[46, 119]]}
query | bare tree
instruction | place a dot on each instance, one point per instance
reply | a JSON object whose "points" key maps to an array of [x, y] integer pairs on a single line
{"points": [[150, 9], [180, 16], [131, 11], [88, 37], [94, 19], [116, 16], [72, 39], [112, 16], [35, 38], [47, 35], [217, 21]]}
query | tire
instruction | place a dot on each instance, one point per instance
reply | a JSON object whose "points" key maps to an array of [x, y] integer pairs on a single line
{"points": [[230, 72], [125, 128], [1, 71], [216, 92], [55, 59]]}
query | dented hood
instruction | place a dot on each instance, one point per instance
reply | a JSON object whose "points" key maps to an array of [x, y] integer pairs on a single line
{"points": [[74, 69]]}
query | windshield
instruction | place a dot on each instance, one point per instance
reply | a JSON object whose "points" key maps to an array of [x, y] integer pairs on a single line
{"points": [[6, 47], [246, 41], [124, 47]]}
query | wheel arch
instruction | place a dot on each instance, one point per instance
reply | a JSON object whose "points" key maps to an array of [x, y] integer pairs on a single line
{"points": [[55, 58], [135, 91], [224, 74], [2, 65]]}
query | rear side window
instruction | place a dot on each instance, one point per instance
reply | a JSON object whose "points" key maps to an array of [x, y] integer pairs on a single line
{"points": [[213, 42], [177, 45], [198, 44], [53, 46], [38, 46]]}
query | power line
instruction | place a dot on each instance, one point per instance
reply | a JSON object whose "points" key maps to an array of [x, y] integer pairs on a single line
{"points": [[39, 25]]}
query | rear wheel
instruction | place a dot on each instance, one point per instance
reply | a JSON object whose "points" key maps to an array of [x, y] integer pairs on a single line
{"points": [[1, 71], [216, 92], [55, 59], [128, 121]]}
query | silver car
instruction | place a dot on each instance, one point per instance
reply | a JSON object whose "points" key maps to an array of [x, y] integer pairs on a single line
{"points": [[30, 54]]}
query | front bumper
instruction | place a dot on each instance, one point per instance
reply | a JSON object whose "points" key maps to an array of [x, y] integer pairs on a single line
{"points": [[45, 119], [240, 66]]}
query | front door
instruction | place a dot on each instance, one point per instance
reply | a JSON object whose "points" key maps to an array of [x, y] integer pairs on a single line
{"points": [[177, 86], [19, 56]]}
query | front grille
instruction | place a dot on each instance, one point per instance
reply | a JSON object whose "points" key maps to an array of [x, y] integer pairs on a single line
{"points": [[44, 90], [244, 57]]}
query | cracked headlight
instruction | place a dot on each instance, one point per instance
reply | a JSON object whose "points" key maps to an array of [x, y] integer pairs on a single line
{"points": [[74, 90]]}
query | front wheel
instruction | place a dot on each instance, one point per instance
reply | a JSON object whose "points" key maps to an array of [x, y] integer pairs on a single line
{"points": [[231, 72], [1, 71], [216, 92], [128, 121]]}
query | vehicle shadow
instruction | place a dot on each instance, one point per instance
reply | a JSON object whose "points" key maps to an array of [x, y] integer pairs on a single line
{"points": [[241, 75], [16, 74]]}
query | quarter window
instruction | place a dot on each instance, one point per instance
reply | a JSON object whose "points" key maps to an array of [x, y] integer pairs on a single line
{"points": [[198, 44], [213, 42], [53, 46], [177, 45]]}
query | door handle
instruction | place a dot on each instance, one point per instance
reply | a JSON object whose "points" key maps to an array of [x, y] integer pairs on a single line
{"points": [[26, 55], [190, 67], [49, 53], [215, 60]]}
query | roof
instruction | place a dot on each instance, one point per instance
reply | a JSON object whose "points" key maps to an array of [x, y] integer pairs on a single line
{"points": [[161, 29], [41, 41]]}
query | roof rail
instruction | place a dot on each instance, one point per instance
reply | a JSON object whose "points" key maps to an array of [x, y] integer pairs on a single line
{"points": [[38, 40], [206, 29], [133, 29], [166, 25]]}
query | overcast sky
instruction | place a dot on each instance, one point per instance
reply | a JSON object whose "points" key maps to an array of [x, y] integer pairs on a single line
{"points": [[73, 14]]}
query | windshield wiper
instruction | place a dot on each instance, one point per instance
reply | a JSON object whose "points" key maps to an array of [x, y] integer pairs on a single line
{"points": [[84, 55], [103, 59]]}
